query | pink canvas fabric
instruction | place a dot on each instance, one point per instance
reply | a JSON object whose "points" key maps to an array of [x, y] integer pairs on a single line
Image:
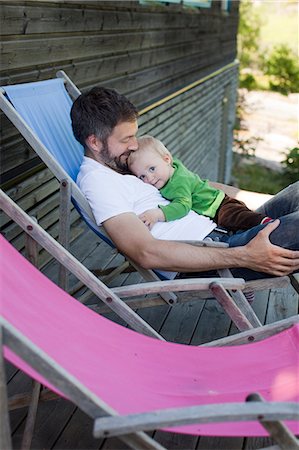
{"points": [[135, 373]]}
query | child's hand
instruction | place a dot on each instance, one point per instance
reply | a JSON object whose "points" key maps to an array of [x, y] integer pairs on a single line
{"points": [[152, 216]]}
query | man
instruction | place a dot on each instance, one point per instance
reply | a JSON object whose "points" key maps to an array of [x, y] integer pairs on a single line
{"points": [[105, 123]]}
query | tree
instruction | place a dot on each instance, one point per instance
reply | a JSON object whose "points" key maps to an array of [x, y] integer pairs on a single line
{"points": [[283, 69], [248, 34]]}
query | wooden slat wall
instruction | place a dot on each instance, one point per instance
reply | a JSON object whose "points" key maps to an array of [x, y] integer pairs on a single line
{"points": [[190, 124], [145, 52]]}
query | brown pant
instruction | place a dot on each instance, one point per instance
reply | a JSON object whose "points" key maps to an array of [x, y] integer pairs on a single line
{"points": [[234, 215]]}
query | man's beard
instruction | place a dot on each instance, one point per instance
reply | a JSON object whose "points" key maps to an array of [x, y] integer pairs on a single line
{"points": [[105, 155], [119, 164]]}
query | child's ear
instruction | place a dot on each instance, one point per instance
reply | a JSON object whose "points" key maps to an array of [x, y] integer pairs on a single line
{"points": [[167, 159]]}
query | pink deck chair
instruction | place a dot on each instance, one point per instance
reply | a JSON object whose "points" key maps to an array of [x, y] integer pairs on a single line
{"points": [[107, 369]]}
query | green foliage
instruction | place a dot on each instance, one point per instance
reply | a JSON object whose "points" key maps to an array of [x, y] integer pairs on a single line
{"points": [[255, 177], [283, 69], [291, 165], [247, 81], [248, 34]]}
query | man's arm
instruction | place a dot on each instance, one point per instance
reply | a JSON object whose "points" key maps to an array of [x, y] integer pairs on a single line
{"points": [[251, 199], [133, 239]]}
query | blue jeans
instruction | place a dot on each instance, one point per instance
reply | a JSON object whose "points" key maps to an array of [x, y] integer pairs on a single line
{"points": [[284, 206]]}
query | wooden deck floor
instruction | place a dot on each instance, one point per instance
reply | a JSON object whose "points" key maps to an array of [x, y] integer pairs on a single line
{"points": [[60, 425]]}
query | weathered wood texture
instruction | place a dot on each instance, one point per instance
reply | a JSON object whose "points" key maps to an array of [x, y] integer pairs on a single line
{"points": [[144, 51]]}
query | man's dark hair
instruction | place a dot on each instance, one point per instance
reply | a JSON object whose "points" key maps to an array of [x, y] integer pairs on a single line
{"points": [[98, 111]]}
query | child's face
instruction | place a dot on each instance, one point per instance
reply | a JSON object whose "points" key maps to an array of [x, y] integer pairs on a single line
{"points": [[151, 167]]}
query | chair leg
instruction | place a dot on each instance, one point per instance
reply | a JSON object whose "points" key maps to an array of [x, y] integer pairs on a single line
{"points": [[228, 304], [5, 436], [276, 429], [31, 416], [241, 301], [32, 254], [64, 227]]}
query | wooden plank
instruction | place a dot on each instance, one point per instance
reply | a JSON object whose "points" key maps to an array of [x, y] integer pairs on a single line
{"points": [[77, 431], [256, 334], [182, 66], [16, 53], [27, 186], [31, 19], [19, 384], [277, 430], [214, 323], [48, 222], [232, 412], [220, 443], [115, 444], [38, 192], [241, 301], [155, 316], [21, 400], [10, 371], [51, 419], [34, 209], [237, 314], [64, 227], [31, 417], [189, 284], [258, 443], [96, 71], [182, 321], [15, 152], [5, 439], [283, 303], [176, 441], [259, 306]]}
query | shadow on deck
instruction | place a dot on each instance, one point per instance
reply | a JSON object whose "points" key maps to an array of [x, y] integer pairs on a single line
{"points": [[61, 425]]}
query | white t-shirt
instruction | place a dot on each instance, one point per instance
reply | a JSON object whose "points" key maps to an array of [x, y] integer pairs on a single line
{"points": [[110, 193]]}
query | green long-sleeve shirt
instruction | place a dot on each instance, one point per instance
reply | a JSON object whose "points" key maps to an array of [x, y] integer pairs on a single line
{"points": [[187, 191]]}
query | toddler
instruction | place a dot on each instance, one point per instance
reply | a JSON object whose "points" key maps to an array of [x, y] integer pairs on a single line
{"points": [[153, 164]]}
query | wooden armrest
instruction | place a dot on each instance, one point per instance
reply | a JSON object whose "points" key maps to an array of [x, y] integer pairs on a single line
{"points": [[256, 334], [190, 284], [227, 412]]}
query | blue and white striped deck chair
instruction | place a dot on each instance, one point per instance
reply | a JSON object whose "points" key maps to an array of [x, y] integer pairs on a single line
{"points": [[41, 112]]}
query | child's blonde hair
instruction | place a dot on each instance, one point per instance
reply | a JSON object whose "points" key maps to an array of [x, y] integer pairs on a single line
{"points": [[147, 142]]}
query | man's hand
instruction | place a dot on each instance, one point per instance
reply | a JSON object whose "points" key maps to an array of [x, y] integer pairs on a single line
{"points": [[152, 216], [270, 258]]}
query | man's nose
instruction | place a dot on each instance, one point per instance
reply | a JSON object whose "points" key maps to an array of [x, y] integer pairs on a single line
{"points": [[133, 145]]}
